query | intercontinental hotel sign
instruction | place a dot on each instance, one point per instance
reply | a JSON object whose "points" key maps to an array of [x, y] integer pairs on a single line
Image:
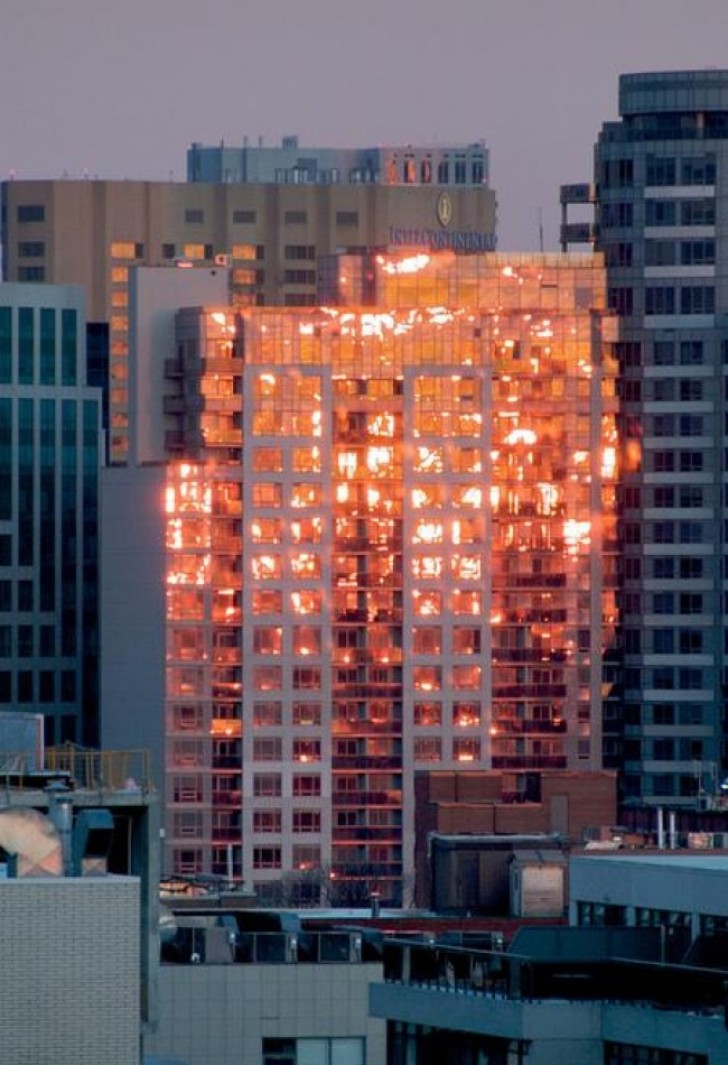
{"points": [[438, 239]]}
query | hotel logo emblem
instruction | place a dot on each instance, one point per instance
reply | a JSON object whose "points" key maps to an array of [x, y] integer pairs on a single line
{"points": [[444, 209]]}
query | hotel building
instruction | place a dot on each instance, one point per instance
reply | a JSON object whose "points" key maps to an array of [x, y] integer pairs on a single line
{"points": [[388, 541], [268, 226], [661, 196], [50, 440]]}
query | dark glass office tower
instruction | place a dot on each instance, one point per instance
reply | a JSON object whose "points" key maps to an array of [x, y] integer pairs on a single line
{"points": [[49, 475], [661, 195]]}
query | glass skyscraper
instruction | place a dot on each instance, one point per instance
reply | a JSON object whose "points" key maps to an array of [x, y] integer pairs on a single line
{"points": [[49, 477]]}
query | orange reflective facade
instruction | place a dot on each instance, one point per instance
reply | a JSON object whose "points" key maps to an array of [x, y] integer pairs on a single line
{"points": [[391, 545]]}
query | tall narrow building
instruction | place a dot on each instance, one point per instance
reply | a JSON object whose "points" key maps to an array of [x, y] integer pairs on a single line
{"points": [[661, 193], [389, 544], [50, 438]]}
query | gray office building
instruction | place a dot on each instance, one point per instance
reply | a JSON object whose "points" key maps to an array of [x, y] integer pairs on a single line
{"points": [[661, 220]]}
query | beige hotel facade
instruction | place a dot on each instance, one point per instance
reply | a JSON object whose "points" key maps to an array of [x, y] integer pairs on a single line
{"points": [[271, 234]]}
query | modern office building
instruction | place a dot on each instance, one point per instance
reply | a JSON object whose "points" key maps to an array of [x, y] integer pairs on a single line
{"points": [[661, 196], [387, 540], [271, 233], [49, 482]]}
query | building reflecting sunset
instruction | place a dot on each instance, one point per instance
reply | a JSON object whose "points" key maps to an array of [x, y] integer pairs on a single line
{"points": [[390, 546]]}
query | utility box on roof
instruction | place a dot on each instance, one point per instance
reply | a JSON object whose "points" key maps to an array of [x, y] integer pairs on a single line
{"points": [[538, 884]]}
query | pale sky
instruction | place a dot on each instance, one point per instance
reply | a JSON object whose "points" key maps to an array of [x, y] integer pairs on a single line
{"points": [[119, 88]]}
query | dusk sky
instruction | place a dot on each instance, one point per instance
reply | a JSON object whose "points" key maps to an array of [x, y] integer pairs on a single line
{"points": [[120, 89]]}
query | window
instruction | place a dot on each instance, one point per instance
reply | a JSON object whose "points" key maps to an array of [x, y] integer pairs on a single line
{"points": [[267, 821], [31, 212], [267, 749], [699, 171], [306, 784], [660, 212], [306, 252], [347, 218], [241, 217], [295, 218], [660, 253], [266, 857], [31, 249], [663, 352], [659, 299], [31, 273], [691, 425], [663, 641], [691, 353], [697, 212], [660, 170], [663, 603], [306, 821], [620, 300], [427, 714], [697, 252], [267, 713], [266, 785], [194, 215], [697, 299], [616, 215]]}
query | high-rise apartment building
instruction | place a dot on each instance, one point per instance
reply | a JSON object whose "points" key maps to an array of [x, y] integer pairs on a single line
{"points": [[661, 193], [388, 544], [270, 232], [50, 437]]}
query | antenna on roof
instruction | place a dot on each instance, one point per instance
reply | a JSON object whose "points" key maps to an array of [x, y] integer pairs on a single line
{"points": [[540, 229]]}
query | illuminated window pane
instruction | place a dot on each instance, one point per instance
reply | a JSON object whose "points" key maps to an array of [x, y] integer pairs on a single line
{"points": [[266, 530], [306, 857], [267, 678], [306, 750], [427, 749], [427, 678], [466, 748], [306, 602], [465, 602], [306, 495], [306, 459], [466, 567], [267, 494], [306, 640], [427, 567], [427, 604], [427, 714], [307, 678], [266, 567], [306, 530], [306, 713], [466, 715], [466, 641], [267, 459], [427, 641], [267, 602], [268, 640], [466, 678], [306, 565]]}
